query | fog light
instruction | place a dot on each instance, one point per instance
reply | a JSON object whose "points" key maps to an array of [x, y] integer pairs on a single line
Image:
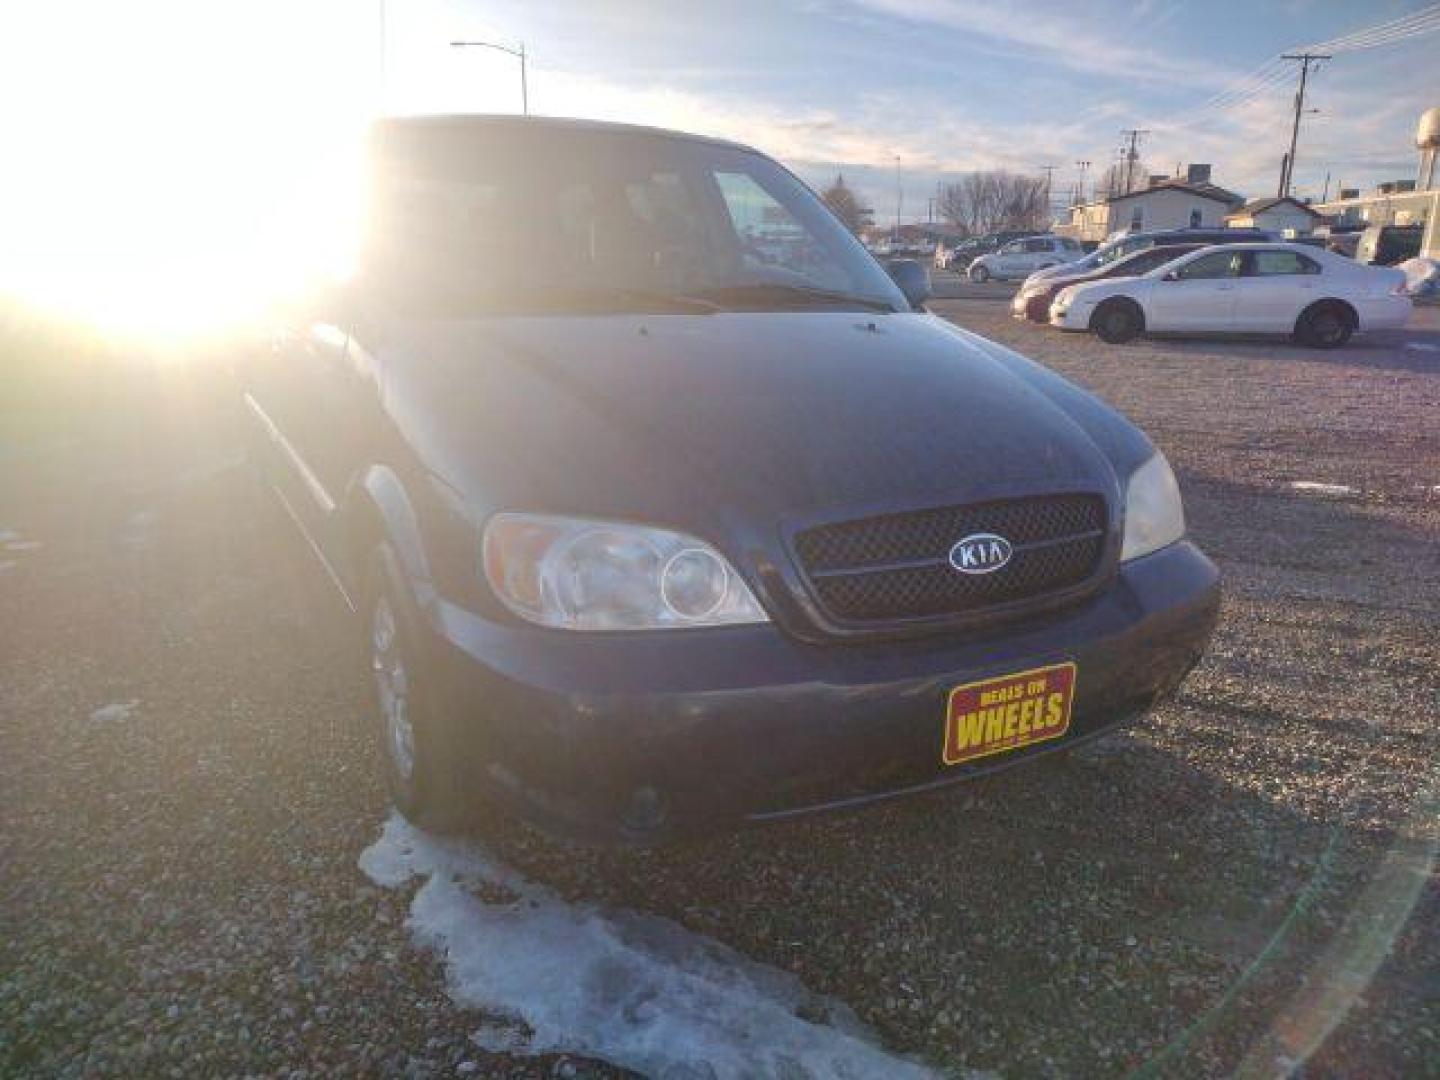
{"points": [[646, 810]]}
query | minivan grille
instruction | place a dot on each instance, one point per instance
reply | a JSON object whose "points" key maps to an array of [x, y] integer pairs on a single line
{"points": [[897, 566]]}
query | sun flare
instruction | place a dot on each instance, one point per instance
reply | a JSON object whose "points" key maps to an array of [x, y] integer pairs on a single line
{"points": [[183, 165]]}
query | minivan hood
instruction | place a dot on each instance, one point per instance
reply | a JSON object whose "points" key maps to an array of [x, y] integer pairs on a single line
{"points": [[764, 417]]}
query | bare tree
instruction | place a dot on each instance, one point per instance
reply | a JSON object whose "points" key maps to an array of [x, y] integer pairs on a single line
{"points": [[1120, 177], [844, 205], [989, 201]]}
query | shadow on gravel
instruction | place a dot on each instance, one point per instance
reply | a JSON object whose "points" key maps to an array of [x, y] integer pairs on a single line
{"points": [[1411, 349]]}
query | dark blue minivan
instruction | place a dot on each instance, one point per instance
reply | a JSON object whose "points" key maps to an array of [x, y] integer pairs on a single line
{"points": [[662, 505]]}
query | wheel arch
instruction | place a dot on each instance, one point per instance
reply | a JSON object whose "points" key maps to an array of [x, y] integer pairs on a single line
{"points": [[377, 509]]}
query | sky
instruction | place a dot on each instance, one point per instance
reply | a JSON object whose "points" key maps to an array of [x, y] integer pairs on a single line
{"points": [[949, 86], [166, 157]]}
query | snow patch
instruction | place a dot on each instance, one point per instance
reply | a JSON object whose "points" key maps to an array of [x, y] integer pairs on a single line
{"points": [[632, 989], [1313, 487], [1421, 346], [1422, 278], [114, 713]]}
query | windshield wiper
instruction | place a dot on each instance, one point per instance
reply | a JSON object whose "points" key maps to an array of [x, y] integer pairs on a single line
{"points": [[793, 295]]}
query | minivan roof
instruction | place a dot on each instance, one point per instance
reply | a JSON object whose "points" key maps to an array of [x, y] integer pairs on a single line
{"points": [[500, 124]]}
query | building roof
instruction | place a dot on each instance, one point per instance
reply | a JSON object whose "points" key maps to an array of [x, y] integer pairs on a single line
{"points": [[1204, 191], [1259, 206]]}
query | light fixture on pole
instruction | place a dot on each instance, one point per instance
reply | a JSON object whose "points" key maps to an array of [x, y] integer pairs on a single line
{"points": [[519, 54]]}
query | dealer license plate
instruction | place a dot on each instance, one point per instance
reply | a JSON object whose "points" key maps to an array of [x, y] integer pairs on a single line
{"points": [[995, 716]]}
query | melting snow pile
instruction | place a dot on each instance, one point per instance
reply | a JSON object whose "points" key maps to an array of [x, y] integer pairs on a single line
{"points": [[1314, 487], [635, 990], [1422, 279]]}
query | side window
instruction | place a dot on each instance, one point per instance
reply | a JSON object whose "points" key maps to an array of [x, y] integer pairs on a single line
{"points": [[1137, 217], [1012, 248], [1274, 263], [1147, 261], [1195, 216], [1218, 264], [769, 234], [1070, 245], [1037, 245]]}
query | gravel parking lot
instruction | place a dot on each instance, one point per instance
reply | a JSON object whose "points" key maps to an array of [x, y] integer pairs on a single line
{"points": [[187, 783]]}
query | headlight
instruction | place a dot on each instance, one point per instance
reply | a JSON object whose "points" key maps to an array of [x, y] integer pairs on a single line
{"points": [[578, 574], [1154, 516]]}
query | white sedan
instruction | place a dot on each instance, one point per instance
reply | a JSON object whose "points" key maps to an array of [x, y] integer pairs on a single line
{"points": [[1022, 257], [1317, 297]]}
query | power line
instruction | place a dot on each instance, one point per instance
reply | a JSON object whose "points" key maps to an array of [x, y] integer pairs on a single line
{"points": [[1275, 70]]}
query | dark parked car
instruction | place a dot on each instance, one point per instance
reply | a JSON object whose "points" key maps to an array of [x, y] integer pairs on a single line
{"points": [[645, 533], [1388, 245], [1032, 300]]}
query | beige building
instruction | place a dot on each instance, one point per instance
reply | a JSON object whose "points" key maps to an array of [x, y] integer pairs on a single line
{"points": [[1164, 204], [1287, 216]]}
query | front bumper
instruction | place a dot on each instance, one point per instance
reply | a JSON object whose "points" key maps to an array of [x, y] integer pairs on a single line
{"points": [[1070, 317], [645, 736], [1031, 307]]}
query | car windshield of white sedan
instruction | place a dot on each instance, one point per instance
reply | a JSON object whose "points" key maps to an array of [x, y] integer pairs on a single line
{"points": [[577, 224]]}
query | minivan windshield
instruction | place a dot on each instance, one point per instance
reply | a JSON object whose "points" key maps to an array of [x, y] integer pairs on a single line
{"points": [[489, 220]]}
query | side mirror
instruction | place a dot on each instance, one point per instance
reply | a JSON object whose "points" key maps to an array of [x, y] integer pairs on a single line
{"points": [[912, 278]]}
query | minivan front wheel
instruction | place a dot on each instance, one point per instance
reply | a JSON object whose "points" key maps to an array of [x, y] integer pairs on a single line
{"points": [[415, 761], [1117, 321]]}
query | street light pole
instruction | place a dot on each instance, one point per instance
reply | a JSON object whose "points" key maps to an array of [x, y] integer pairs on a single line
{"points": [[899, 196], [517, 53]]}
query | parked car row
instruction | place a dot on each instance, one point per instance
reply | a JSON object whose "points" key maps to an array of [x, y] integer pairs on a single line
{"points": [[1020, 258], [961, 255], [1315, 296]]}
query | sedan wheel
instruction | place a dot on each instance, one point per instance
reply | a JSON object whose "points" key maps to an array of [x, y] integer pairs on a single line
{"points": [[1325, 327], [1117, 322], [979, 274]]}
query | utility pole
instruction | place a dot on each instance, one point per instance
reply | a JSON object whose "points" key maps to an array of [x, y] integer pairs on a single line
{"points": [[1080, 183], [899, 198], [1287, 172], [517, 53], [1132, 154], [1049, 171], [383, 51]]}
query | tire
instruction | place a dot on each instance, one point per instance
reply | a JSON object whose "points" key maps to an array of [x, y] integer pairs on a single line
{"points": [[1117, 321], [416, 757], [1326, 325], [979, 275]]}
